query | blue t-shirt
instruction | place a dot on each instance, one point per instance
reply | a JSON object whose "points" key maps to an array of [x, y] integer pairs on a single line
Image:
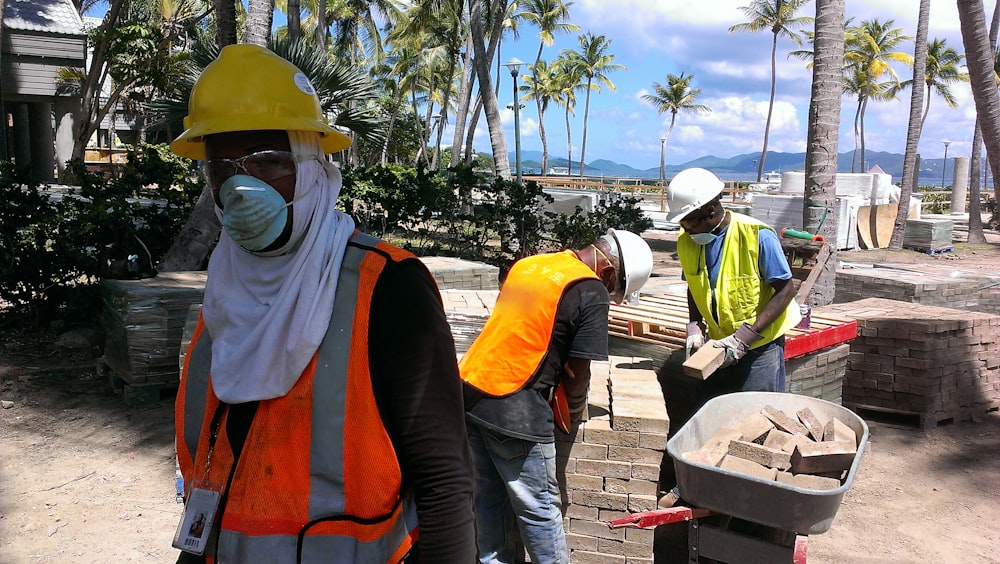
{"points": [[771, 259]]}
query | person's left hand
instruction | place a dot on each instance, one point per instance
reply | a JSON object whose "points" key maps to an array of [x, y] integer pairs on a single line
{"points": [[738, 344]]}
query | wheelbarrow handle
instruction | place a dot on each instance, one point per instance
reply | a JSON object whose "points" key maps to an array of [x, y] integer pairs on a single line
{"points": [[650, 519]]}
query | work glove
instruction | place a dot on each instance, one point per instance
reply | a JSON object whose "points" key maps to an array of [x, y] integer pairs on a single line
{"points": [[695, 338], [738, 344]]}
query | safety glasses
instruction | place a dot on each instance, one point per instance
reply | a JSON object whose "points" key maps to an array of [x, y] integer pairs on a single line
{"points": [[689, 222], [264, 165]]}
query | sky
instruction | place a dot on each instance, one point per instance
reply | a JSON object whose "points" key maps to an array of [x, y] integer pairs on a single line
{"points": [[655, 37]]}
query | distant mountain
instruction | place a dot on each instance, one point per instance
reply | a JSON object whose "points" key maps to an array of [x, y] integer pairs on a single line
{"points": [[740, 166]]}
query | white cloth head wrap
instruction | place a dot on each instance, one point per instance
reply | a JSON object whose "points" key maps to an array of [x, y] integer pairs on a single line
{"points": [[268, 313]]}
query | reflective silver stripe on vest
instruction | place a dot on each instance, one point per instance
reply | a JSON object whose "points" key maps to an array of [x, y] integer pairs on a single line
{"points": [[199, 367], [280, 549]]}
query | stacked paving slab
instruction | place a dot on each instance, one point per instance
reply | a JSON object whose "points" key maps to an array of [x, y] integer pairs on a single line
{"points": [[923, 284], [932, 362], [609, 466]]}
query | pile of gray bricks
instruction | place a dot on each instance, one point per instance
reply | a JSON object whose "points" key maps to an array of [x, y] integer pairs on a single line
{"points": [[456, 274], [936, 363], [934, 286], [609, 466]]}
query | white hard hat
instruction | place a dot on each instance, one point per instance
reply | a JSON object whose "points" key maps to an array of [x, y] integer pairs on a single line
{"points": [[636, 264], [689, 190]]}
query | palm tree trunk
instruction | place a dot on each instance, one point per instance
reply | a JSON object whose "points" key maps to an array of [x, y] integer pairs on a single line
{"points": [[569, 142], [822, 138], [864, 108], [260, 14], [470, 137], [857, 120], [294, 20], [464, 100], [225, 21], [979, 61], [586, 112], [196, 239], [770, 105], [976, 234], [915, 125], [501, 161]]}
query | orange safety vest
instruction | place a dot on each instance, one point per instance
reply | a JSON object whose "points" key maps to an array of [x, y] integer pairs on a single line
{"points": [[504, 357], [318, 479]]}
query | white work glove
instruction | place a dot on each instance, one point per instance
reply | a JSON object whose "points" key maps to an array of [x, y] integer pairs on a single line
{"points": [[738, 344], [695, 338]]}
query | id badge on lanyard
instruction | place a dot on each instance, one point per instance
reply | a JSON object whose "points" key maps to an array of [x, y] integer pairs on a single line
{"points": [[197, 519]]}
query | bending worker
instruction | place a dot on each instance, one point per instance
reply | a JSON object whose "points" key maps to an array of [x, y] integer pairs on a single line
{"points": [[550, 321], [739, 286], [319, 416]]}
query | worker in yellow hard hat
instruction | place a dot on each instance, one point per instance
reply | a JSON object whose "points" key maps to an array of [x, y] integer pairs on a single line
{"points": [[319, 416]]}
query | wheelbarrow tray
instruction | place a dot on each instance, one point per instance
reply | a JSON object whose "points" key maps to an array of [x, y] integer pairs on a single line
{"points": [[804, 511]]}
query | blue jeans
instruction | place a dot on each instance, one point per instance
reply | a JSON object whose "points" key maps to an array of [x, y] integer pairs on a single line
{"points": [[519, 475], [761, 370]]}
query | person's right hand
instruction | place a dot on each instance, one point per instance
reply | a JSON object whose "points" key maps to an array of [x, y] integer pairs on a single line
{"points": [[695, 338]]}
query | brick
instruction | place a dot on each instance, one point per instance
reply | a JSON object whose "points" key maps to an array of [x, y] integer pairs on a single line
{"points": [[656, 441], [811, 422], [581, 542], [823, 457], [783, 421], [587, 557], [584, 482], [645, 536], [603, 468], [772, 458], [794, 441], [631, 487], [600, 432], [808, 481], [582, 512], [589, 451], [753, 427], [707, 456], [638, 503], [734, 464], [646, 472], [624, 548], [595, 529], [837, 430], [722, 437], [602, 500], [628, 454]]}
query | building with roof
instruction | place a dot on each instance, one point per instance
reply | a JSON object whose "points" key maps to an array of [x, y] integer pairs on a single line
{"points": [[37, 38]]}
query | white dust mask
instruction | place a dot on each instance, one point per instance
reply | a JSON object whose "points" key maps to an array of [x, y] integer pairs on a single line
{"points": [[253, 213]]}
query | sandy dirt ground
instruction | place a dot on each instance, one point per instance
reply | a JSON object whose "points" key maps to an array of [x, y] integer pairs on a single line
{"points": [[85, 478]]}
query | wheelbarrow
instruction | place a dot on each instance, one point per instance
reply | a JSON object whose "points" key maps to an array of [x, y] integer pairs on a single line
{"points": [[791, 512]]}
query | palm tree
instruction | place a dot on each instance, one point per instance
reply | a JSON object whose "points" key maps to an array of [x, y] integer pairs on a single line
{"points": [[260, 15], [550, 17], [569, 79], [868, 52], [976, 234], [823, 136], [944, 67], [594, 62], [980, 59], [779, 17], [921, 57], [675, 97], [542, 85]]}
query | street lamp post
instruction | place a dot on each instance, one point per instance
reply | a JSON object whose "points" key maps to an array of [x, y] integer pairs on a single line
{"points": [[663, 170], [513, 66], [944, 165]]}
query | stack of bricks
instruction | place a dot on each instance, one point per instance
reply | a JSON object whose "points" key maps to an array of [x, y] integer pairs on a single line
{"points": [[933, 286], [456, 274], [819, 374], [933, 362], [609, 466]]}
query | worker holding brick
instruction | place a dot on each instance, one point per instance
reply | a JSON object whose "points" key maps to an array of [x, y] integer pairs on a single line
{"points": [[550, 321], [739, 287], [319, 416]]}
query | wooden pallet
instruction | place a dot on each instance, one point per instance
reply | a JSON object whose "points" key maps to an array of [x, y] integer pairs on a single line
{"points": [[923, 421], [662, 320]]}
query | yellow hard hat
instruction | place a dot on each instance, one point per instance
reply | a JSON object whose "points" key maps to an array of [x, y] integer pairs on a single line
{"points": [[249, 88]]}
